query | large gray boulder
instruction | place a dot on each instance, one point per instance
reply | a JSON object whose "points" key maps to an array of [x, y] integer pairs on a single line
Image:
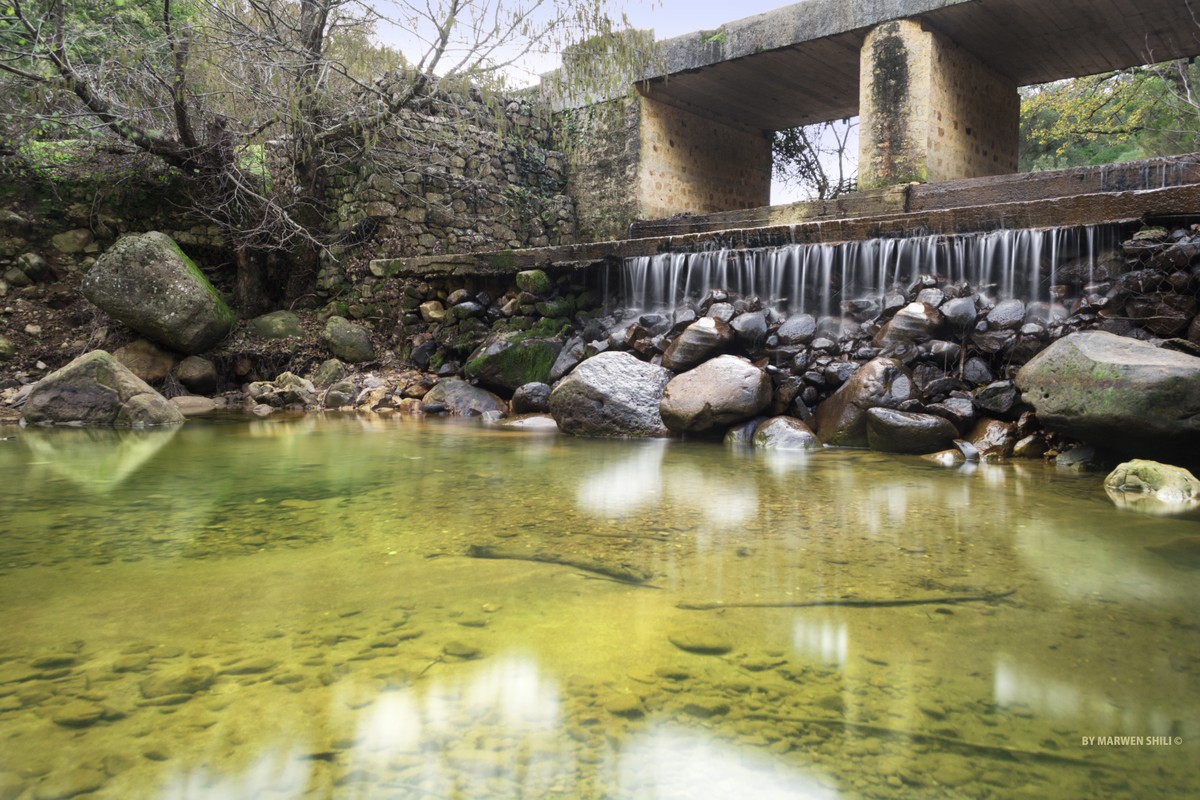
{"points": [[145, 281], [881, 383], [699, 341], [1124, 394], [717, 393], [611, 395], [96, 389]]}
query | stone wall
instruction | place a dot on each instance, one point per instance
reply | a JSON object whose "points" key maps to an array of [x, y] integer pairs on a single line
{"points": [[455, 177], [698, 165], [604, 150]]}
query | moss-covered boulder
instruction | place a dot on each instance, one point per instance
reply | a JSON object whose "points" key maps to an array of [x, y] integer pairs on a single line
{"points": [[146, 281], [347, 341], [1151, 487], [276, 325], [511, 360], [96, 389], [1121, 393], [534, 281]]}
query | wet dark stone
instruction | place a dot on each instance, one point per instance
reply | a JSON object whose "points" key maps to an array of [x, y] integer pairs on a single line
{"points": [[785, 433], [1007, 315], [721, 311], [531, 398], [893, 431], [959, 410], [797, 329], [998, 398], [992, 341], [960, 313], [751, 330], [841, 419]]}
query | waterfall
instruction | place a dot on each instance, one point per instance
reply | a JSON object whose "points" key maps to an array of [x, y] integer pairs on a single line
{"points": [[829, 280]]}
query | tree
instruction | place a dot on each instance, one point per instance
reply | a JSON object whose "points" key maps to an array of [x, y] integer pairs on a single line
{"points": [[257, 102], [817, 158]]}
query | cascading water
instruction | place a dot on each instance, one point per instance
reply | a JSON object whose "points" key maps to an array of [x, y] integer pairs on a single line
{"points": [[832, 280]]}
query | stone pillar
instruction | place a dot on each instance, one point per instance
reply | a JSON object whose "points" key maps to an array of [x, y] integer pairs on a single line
{"points": [[692, 164], [930, 111]]}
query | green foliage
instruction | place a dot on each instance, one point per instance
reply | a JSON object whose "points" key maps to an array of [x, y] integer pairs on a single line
{"points": [[1102, 119]]}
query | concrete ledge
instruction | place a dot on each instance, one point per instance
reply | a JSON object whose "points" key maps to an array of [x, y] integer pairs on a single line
{"points": [[1082, 209]]}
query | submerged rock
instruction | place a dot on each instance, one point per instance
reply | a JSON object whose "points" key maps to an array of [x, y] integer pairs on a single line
{"points": [[96, 389], [611, 395], [146, 282], [719, 392], [1153, 488], [1128, 395], [785, 433]]}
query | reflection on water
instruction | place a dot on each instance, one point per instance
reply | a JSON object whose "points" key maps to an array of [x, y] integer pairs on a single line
{"points": [[285, 609]]}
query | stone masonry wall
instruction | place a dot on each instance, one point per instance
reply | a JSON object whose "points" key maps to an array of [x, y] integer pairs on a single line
{"points": [[604, 148], [974, 116], [461, 178], [699, 165]]}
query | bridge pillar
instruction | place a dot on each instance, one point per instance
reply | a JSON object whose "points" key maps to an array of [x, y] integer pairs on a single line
{"points": [[698, 164], [930, 111]]}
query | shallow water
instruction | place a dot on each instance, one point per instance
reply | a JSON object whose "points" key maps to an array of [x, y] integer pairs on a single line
{"points": [[287, 609]]}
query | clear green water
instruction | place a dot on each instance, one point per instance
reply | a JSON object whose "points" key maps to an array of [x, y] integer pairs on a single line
{"points": [[285, 609]]}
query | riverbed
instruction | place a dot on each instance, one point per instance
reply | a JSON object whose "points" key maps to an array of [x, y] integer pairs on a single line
{"points": [[299, 608]]}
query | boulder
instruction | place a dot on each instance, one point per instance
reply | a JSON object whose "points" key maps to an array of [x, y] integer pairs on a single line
{"points": [[568, 358], [784, 433], [797, 329], [612, 394], [464, 400], [751, 330], [7, 351], [881, 383], [146, 360], [699, 341], [1128, 395], [913, 324], [993, 438], [348, 341], [508, 360], [96, 389], [717, 393], [534, 281], [198, 375], [892, 431], [1008, 315], [532, 398], [1152, 487], [742, 434], [146, 282], [277, 325]]}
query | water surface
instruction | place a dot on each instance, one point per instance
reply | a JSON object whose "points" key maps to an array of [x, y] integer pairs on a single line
{"points": [[291, 609]]}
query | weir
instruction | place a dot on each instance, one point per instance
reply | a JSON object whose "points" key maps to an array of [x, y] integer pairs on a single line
{"points": [[1048, 269]]}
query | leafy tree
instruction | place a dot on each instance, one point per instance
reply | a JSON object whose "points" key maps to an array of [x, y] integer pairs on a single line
{"points": [[258, 102]]}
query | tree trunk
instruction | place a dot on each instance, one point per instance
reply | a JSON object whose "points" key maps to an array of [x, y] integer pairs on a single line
{"points": [[250, 285]]}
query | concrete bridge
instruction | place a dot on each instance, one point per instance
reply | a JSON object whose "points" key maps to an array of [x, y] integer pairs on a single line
{"points": [[934, 83]]}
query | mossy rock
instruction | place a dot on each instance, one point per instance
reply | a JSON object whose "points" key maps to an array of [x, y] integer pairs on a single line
{"points": [[534, 281], [348, 341], [277, 325], [511, 360]]}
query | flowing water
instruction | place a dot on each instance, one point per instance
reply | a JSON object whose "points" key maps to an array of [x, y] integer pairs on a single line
{"points": [[293, 609], [823, 279]]}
